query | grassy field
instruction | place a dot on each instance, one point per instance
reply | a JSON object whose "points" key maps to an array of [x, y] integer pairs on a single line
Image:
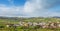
{"points": [[29, 29], [8, 21], [3, 23]]}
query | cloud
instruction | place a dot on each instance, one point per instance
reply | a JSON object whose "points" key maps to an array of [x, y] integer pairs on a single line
{"points": [[31, 8], [34, 7], [40, 7], [10, 11]]}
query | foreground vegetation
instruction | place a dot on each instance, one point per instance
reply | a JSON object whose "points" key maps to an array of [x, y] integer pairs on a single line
{"points": [[27, 29], [4, 21]]}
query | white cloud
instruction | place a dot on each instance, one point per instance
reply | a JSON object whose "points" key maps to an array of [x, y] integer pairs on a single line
{"points": [[11, 11], [39, 8], [32, 5], [31, 8]]}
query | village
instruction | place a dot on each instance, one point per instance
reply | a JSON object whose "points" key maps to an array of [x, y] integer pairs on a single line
{"points": [[38, 24]]}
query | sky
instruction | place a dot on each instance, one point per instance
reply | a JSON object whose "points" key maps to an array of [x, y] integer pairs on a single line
{"points": [[30, 8]]}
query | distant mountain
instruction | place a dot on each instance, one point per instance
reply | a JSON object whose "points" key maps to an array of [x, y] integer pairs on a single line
{"points": [[13, 18], [56, 17]]}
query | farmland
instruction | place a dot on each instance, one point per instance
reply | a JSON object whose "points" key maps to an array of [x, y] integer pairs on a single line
{"points": [[15, 20]]}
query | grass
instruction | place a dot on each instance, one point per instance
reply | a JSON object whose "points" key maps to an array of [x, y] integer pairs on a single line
{"points": [[8, 21], [18, 29], [4, 21], [27, 29]]}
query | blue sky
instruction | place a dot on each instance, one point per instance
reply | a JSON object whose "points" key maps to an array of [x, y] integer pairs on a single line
{"points": [[30, 8], [15, 2]]}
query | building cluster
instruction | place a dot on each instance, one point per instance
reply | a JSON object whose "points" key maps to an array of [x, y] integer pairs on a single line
{"points": [[40, 24]]}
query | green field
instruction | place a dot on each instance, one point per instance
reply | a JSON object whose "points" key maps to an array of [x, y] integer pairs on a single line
{"points": [[29, 29], [3, 23]]}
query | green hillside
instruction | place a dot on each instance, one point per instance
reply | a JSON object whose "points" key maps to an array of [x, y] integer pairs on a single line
{"points": [[15, 20]]}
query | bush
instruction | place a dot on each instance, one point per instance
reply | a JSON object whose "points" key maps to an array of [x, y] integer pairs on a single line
{"points": [[1, 26]]}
